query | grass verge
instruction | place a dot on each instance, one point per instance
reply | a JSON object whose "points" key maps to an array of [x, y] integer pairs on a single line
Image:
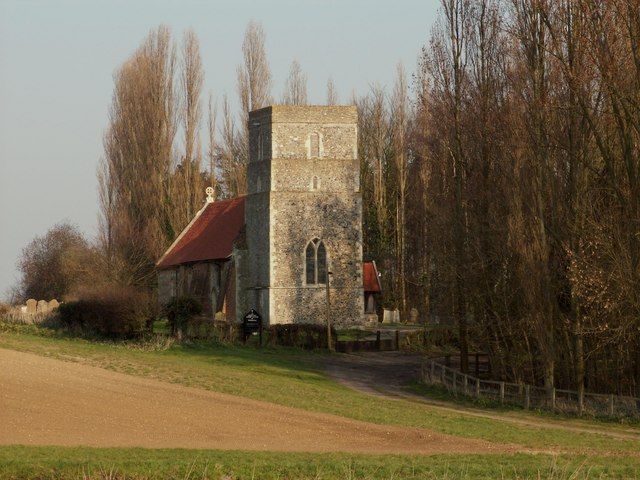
{"points": [[137, 463]]}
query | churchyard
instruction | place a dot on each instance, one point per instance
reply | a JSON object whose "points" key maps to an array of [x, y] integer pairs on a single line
{"points": [[454, 440]]}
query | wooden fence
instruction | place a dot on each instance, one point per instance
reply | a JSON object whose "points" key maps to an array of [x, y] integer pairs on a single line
{"points": [[529, 396]]}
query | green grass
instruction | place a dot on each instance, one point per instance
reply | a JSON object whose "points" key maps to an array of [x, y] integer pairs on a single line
{"points": [[138, 463], [439, 392], [292, 378]]}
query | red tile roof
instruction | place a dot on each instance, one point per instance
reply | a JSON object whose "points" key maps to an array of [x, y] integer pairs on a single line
{"points": [[370, 278], [209, 236]]}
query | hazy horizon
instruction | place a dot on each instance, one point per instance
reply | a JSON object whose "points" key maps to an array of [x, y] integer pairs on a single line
{"points": [[56, 77]]}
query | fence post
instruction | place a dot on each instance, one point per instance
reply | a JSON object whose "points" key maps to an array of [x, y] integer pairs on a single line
{"points": [[527, 397], [581, 402], [477, 388], [464, 383], [477, 364], [447, 360], [378, 340], [397, 339], [553, 398], [455, 379], [433, 370], [502, 393], [611, 405]]}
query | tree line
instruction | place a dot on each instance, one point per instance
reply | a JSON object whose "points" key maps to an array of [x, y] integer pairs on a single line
{"points": [[519, 216], [500, 180]]}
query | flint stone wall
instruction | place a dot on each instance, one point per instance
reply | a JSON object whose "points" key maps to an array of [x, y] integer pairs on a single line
{"points": [[284, 212]]}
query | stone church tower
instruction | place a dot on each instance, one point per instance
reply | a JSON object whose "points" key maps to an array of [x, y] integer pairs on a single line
{"points": [[303, 217]]}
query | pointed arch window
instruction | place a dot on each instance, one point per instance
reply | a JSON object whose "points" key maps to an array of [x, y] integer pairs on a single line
{"points": [[316, 263]]}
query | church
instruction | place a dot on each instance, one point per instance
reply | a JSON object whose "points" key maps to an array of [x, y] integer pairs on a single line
{"points": [[291, 248]]}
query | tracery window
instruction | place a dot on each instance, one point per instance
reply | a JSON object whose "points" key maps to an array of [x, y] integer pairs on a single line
{"points": [[316, 262]]}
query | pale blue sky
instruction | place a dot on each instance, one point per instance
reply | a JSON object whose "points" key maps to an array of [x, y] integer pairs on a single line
{"points": [[57, 59]]}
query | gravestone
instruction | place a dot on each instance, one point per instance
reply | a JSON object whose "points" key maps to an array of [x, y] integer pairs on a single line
{"points": [[53, 304], [42, 306], [31, 306], [413, 315], [391, 316]]}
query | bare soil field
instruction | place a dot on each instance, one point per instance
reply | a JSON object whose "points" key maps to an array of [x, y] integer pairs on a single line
{"points": [[51, 402]]}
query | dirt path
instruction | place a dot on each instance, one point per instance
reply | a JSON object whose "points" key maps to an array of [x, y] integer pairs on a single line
{"points": [[386, 374], [51, 402]]}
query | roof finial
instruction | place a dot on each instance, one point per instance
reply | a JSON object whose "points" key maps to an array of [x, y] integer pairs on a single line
{"points": [[209, 192]]}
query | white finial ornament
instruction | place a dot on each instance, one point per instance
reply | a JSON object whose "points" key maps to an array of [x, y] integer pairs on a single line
{"points": [[209, 192]]}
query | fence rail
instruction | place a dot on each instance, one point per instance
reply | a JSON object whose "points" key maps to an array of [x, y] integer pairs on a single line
{"points": [[529, 396]]}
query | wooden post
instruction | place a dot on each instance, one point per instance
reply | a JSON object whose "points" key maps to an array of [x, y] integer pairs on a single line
{"points": [[464, 383], [501, 393], [447, 360], [611, 409], [581, 402], [378, 346], [455, 379], [433, 370], [329, 343], [527, 397], [397, 339], [553, 398], [477, 388], [477, 364]]}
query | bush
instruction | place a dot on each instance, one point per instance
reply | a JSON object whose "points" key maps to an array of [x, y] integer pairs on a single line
{"points": [[180, 311], [4, 310], [301, 335], [115, 312]]}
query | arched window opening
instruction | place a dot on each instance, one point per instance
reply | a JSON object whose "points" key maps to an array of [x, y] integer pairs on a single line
{"points": [[311, 263], [321, 260], [316, 262], [314, 145]]}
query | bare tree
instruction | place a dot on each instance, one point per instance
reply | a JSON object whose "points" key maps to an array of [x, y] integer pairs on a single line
{"points": [[232, 163], [254, 76], [295, 87], [212, 152], [187, 185], [136, 204], [332, 95], [400, 131], [53, 265], [253, 80]]}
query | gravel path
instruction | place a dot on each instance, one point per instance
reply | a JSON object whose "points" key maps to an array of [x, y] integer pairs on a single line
{"points": [[51, 402]]}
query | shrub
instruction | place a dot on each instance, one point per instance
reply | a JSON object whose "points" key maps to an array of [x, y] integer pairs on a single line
{"points": [[116, 312], [4, 310], [301, 335], [180, 312]]}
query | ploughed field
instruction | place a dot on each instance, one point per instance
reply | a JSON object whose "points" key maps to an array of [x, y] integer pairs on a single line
{"points": [[71, 407], [52, 402]]}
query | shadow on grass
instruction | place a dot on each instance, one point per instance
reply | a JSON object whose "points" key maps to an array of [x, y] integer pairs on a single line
{"points": [[438, 392]]}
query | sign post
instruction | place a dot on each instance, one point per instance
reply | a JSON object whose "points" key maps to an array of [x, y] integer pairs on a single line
{"points": [[329, 342], [252, 324]]}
